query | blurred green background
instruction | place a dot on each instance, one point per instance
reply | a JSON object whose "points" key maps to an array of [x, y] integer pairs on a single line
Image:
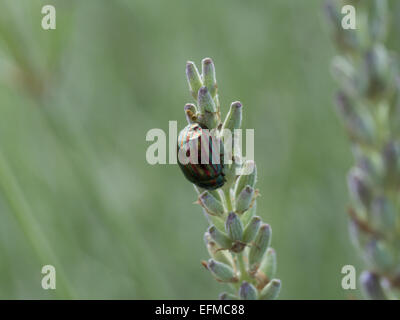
{"points": [[76, 104]]}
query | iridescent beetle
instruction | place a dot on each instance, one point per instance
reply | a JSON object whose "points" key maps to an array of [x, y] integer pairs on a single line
{"points": [[192, 144]]}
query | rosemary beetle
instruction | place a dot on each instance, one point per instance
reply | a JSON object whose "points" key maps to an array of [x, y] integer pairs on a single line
{"points": [[201, 162]]}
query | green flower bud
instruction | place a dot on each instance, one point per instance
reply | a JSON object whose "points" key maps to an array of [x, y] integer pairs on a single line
{"points": [[248, 177], [377, 68], [193, 78], [251, 229], [207, 237], [229, 169], [259, 247], [268, 264], [190, 112], [220, 238], [390, 157], [379, 256], [211, 204], [233, 119], [205, 101], [247, 291], [383, 214], [345, 74], [222, 271], [220, 255], [234, 227], [271, 290], [246, 217], [371, 286], [359, 125], [357, 236], [359, 188], [208, 112], [212, 248], [378, 20], [370, 165], [232, 122], [215, 193], [227, 296], [243, 201], [209, 78]]}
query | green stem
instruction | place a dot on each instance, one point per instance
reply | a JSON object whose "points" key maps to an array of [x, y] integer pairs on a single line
{"points": [[244, 276], [22, 212], [228, 200]]}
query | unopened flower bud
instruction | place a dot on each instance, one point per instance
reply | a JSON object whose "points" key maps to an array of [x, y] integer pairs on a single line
{"points": [[222, 271], [377, 68], [359, 125], [390, 156], [217, 254], [251, 229], [260, 245], [190, 112], [234, 227], [209, 78], [243, 201], [383, 214], [371, 286], [271, 290], [248, 177], [247, 291], [370, 166], [211, 204], [233, 119], [205, 101], [357, 236], [220, 238], [193, 78], [345, 74], [359, 187], [208, 113], [268, 264], [378, 20], [379, 256], [246, 217]]}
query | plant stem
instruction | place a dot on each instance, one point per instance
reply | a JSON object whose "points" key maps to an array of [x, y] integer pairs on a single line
{"points": [[244, 276], [228, 200]]}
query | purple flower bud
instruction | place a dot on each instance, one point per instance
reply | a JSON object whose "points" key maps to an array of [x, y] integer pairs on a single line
{"points": [[234, 227], [371, 286], [247, 291]]}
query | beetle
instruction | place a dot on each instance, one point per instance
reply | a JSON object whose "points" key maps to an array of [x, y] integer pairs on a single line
{"points": [[209, 173]]}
